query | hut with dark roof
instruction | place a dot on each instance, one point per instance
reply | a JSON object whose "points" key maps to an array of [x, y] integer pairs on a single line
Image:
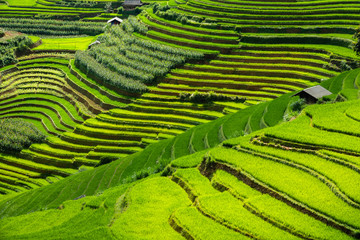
{"points": [[313, 94], [131, 4]]}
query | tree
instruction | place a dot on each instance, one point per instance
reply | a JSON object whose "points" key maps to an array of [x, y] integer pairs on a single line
{"points": [[108, 7], [357, 45]]}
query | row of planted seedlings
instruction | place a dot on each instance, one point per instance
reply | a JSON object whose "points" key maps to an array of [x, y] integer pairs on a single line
{"points": [[46, 107], [51, 27], [197, 186], [301, 198]]}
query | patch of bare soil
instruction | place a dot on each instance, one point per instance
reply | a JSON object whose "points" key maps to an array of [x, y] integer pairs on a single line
{"points": [[9, 35]]}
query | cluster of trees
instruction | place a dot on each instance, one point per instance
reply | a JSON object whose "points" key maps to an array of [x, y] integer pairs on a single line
{"points": [[8, 48], [16, 134], [127, 62], [208, 97], [77, 4], [51, 27]]}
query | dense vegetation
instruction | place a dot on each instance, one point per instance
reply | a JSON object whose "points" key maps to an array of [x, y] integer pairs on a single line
{"points": [[123, 61], [51, 27], [182, 121], [212, 194], [17, 134], [8, 49]]}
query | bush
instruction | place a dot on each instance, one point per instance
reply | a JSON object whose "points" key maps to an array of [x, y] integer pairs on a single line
{"points": [[16, 134], [19, 44], [208, 97], [106, 160], [298, 105]]}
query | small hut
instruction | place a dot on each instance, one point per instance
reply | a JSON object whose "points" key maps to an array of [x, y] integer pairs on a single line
{"points": [[313, 94], [94, 43], [131, 4], [115, 21]]}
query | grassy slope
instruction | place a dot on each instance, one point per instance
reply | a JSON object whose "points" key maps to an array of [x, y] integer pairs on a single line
{"points": [[130, 168], [80, 43], [156, 203]]}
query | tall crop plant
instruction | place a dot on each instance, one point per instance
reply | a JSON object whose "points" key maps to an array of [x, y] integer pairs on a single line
{"points": [[127, 62], [16, 134]]}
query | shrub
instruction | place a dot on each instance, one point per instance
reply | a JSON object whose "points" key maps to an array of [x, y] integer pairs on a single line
{"points": [[16, 134], [298, 105], [208, 97], [106, 160], [19, 44]]}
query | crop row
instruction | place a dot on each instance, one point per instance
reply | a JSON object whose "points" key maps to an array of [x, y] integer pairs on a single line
{"points": [[51, 27]]}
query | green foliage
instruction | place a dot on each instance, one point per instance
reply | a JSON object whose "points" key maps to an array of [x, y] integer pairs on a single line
{"points": [[132, 24], [278, 211], [298, 105], [19, 44], [127, 62], [16, 134], [199, 226], [94, 69], [357, 37], [51, 27], [77, 4], [229, 211], [300, 185], [294, 108], [208, 97], [149, 202], [165, 12]]}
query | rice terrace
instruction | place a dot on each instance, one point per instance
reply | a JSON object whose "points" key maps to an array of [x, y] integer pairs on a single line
{"points": [[180, 119]]}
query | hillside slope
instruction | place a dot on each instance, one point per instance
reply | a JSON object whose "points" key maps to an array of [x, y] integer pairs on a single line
{"points": [[296, 180], [156, 156]]}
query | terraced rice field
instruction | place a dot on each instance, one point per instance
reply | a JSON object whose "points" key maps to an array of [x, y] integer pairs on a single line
{"points": [[91, 122], [96, 138], [233, 191], [44, 8], [266, 49], [127, 156]]}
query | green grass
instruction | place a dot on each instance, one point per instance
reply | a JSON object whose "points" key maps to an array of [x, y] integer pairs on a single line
{"points": [[79, 43], [285, 215], [198, 226], [300, 186], [324, 181], [229, 211], [23, 3], [149, 202], [330, 172], [194, 181], [237, 188]]}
